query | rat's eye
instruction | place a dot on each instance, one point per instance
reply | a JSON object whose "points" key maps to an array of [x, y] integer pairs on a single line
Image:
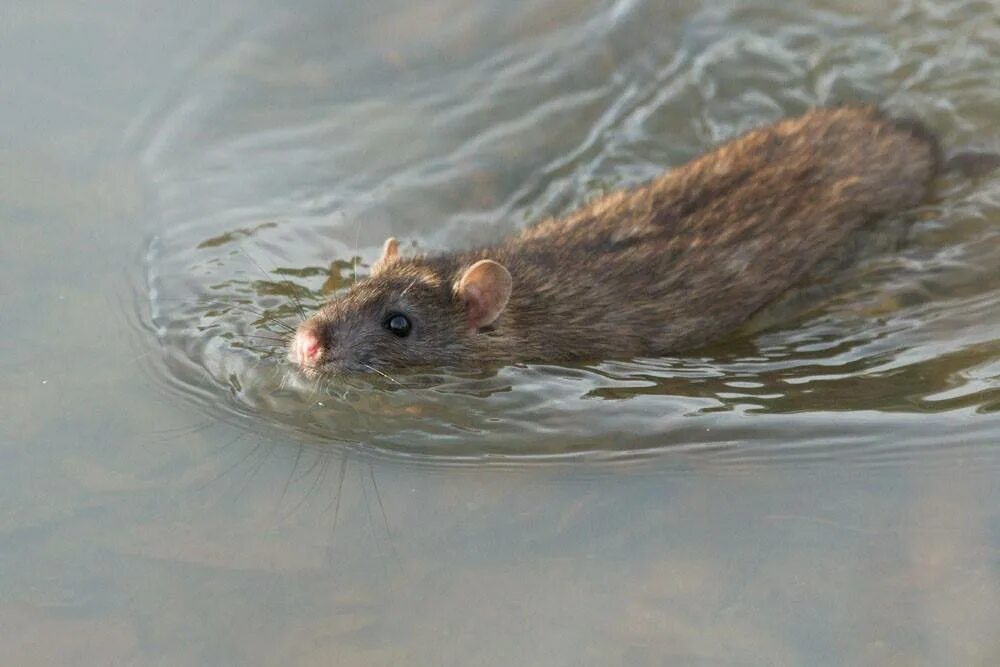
{"points": [[398, 324]]}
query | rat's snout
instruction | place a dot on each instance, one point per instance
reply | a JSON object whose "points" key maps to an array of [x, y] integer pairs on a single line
{"points": [[306, 346]]}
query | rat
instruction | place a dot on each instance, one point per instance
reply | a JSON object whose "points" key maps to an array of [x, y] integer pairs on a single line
{"points": [[669, 266]]}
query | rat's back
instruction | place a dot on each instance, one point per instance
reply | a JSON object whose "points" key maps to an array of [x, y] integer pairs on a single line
{"points": [[684, 259]]}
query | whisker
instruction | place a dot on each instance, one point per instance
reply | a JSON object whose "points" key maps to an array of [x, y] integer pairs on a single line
{"points": [[263, 353], [336, 499], [357, 240], [309, 367], [323, 460], [412, 283], [368, 509], [378, 497], [288, 482], [267, 316], [254, 262], [385, 517], [243, 459], [239, 305], [295, 299], [375, 370], [271, 338], [314, 393], [262, 459], [269, 278]]}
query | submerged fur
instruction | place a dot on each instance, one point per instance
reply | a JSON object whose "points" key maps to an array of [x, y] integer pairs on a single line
{"points": [[671, 265]]}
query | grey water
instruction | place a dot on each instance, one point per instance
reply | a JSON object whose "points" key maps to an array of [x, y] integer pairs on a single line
{"points": [[176, 180]]}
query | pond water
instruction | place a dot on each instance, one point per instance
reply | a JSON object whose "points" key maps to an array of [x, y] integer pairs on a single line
{"points": [[175, 181]]}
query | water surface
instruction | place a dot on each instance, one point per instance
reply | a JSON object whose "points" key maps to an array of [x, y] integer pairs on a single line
{"points": [[819, 492]]}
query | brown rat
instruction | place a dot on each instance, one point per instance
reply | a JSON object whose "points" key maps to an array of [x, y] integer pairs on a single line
{"points": [[672, 265]]}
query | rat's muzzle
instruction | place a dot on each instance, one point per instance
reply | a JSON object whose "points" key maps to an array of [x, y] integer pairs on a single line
{"points": [[305, 348]]}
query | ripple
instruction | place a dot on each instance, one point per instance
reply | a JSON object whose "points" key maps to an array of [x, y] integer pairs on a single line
{"points": [[282, 161]]}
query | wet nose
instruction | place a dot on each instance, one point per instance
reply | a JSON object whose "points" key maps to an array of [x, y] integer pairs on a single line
{"points": [[305, 346]]}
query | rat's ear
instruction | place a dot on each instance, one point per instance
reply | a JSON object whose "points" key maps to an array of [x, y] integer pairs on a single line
{"points": [[390, 253], [484, 289]]}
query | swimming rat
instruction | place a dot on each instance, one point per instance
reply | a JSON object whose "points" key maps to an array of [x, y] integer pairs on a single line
{"points": [[669, 266]]}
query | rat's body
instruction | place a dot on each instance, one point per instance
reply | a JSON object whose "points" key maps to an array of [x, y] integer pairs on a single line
{"points": [[672, 265]]}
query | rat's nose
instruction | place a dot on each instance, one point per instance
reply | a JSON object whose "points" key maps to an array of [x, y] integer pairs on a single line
{"points": [[305, 346]]}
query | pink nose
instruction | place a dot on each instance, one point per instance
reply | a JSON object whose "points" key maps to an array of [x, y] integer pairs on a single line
{"points": [[305, 347]]}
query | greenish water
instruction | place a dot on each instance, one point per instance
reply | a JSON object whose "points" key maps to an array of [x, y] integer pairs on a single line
{"points": [[822, 492]]}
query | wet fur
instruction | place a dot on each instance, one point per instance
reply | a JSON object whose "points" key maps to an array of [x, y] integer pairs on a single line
{"points": [[672, 265]]}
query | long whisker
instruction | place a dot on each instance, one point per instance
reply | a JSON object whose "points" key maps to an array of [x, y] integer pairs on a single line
{"points": [[238, 305], [268, 278], [234, 304], [234, 466], [262, 459], [337, 497], [368, 509], [292, 286], [262, 352], [375, 370], [288, 482], [378, 497], [357, 240], [385, 517], [324, 467], [272, 338], [309, 367], [254, 262], [266, 316], [412, 283]]}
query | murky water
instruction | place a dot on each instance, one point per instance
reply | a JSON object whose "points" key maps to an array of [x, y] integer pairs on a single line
{"points": [[172, 182]]}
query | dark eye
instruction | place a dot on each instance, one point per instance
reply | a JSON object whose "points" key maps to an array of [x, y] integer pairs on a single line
{"points": [[398, 324]]}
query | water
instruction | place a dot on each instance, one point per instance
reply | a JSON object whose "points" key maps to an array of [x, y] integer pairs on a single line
{"points": [[820, 492]]}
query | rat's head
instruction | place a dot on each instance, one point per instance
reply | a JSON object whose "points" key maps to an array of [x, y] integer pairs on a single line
{"points": [[405, 314]]}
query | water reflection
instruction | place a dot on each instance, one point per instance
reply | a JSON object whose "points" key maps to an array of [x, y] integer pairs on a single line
{"points": [[325, 176], [821, 492]]}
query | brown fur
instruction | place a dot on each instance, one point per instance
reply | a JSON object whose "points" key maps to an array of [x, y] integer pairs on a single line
{"points": [[669, 266]]}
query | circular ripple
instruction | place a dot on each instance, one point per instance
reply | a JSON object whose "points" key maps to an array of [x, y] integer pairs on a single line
{"points": [[285, 157]]}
